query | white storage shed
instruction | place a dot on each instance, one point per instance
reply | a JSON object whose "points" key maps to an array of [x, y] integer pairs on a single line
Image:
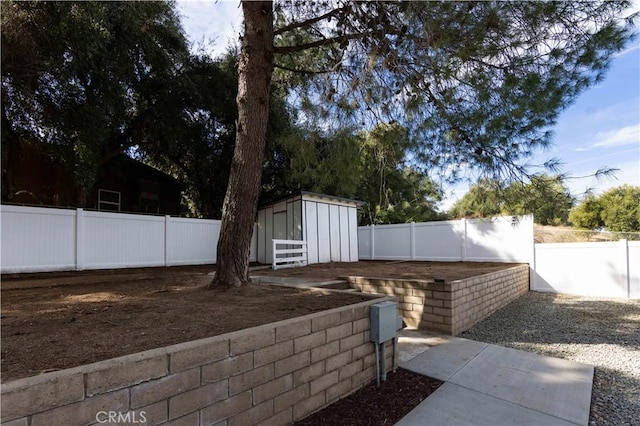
{"points": [[328, 224]]}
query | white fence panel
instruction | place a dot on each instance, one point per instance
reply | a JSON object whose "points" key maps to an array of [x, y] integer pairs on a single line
{"points": [[391, 242], [499, 239], [37, 239], [440, 241], [192, 241], [588, 269], [365, 249], [116, 240]]}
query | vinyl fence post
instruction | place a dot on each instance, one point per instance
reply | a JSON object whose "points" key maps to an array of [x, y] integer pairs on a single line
{"points": [[463, 222], [167, 223], [533, 268], [413, 241], [627, 275], [79, 239], [372, 235]]}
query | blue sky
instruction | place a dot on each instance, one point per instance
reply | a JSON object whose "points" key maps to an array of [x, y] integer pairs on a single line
{"points": [[601, 129]]}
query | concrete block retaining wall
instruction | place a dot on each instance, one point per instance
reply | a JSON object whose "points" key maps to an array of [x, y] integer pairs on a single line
{"points": [[272, 374], [450, 307]]}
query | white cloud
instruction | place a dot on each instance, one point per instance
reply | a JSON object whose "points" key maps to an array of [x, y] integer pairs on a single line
{"points": [[627, 135], [619, 137]]}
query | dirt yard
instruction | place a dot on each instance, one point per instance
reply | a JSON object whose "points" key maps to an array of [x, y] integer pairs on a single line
{"points": [[449, 271], [52, 321]]}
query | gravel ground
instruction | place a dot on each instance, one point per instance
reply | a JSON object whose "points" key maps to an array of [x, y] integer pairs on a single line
{"points": [[602, 332]]}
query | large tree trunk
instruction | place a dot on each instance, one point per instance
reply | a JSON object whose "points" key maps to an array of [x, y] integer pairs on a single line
{"points": [[241, 200]]}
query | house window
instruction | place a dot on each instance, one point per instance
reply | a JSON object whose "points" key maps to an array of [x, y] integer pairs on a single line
{"points": [[149, 201], [108, 200]]}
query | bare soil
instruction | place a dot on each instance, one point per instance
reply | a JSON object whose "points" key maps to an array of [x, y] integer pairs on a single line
{"points": [[52, 321], [448, 271], [46, 329]]}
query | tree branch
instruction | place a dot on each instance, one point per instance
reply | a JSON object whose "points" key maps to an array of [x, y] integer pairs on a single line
{"points": [[311, 21], [318, 43], [303, 71]]}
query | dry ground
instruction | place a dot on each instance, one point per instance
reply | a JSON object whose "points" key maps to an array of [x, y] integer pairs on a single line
{"points": [[449, 271], [53, 321]]}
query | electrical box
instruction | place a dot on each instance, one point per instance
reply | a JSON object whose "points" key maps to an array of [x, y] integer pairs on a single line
{"points": [[383, 321]]}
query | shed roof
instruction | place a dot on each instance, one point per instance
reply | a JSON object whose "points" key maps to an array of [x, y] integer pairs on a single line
{"points": [[302, 194]]}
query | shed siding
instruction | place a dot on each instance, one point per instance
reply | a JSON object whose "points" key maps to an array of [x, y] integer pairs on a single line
{"points": [[334, 232], [343, 238], [324, 246], [290, 224], [269, 234], [297, 220], [280, 225], [262, 237], [311, 230]]}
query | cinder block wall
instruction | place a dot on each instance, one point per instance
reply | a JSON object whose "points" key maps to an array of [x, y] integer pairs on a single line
{"points": [[450, 307], [474, 299], [273, 374]]}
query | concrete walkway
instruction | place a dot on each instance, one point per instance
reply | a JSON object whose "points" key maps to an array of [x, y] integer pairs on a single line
{"points": [[492, 385]]}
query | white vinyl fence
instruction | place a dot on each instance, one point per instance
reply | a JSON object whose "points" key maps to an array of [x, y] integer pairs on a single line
{"points": [[500, 239], [48, 239], [603, 269]]}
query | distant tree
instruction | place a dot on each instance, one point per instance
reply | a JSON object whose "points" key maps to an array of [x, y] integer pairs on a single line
{"points": [[479, 83], [617, 210], [369, 166], [395, 191], [482, 200], [546, 197], [192, 129], [587, 214], [326, 162], [76, 74], [621, 209], [96, 79]]}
